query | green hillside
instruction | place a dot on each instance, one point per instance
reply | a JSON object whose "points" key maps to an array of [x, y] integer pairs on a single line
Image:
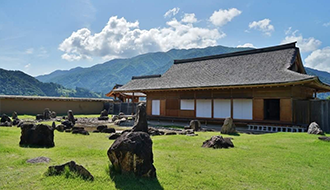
{"points": [[102, 77], [19, 83]]}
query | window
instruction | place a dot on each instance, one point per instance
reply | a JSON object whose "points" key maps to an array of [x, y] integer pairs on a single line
{"points": [[187, 105], [221, 108], [155, 107], [204, 108], [242, 109]]}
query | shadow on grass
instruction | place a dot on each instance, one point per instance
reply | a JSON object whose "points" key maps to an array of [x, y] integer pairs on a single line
{"points": [[130, 181]]}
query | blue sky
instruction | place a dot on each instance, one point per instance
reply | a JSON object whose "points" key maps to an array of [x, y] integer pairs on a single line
{"points": [[38, 37]]}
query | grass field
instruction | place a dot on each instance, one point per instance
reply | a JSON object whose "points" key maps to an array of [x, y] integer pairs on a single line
{"points": [[268, 161]]}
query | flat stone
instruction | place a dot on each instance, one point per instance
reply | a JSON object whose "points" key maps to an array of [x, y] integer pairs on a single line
{"points": [[324, 138], [40, 159]]}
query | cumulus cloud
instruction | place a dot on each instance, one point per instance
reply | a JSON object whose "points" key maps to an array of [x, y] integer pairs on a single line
{"points": [[121, 38], [263, 26], [172, 12], [319, 59], [305, 44], [246, 45], [189, 18], [223, 16]]}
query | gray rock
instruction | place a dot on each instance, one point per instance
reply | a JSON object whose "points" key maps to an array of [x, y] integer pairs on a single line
{"points": [[314, 128], [228, 127], [141, 123], [41, 159], [195, 125]]}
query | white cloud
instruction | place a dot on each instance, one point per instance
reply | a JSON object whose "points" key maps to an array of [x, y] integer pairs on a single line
{"points": [[120, 38], [223, 16], [27, 66], [29, 51], [189, 18], [172, 12], [263, 26], [326, 24], [247, 45], [319, 59], [305, 44]]}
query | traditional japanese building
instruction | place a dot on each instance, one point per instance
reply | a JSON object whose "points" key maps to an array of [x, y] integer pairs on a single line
{"points": [[255, 86]]}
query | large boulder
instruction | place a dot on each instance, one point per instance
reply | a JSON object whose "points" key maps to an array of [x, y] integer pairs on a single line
{"points": [[141, 123], [228, 127], [104, 115], [40, 135], [218, 142], [195, 125], [132, 153], [73, 167], [314, 128], [79, 130], [109, 130]]}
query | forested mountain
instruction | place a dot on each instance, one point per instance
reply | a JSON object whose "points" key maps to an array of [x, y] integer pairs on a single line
{"points": [[19, 83]]}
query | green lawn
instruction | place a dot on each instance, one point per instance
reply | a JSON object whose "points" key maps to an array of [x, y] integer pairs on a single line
{"points": [[268, 161]]}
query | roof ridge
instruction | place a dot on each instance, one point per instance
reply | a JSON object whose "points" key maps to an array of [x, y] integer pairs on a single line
{"points": [[145, 76], [238, 53]]}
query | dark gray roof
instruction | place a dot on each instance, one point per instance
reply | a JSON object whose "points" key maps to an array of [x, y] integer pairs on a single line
{"points": [[259, 66]]}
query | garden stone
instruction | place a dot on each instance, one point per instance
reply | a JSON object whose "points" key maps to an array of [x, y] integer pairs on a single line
{"points": [[323, 138], [60, 127], [108, 130], [80, 170], [170, 133], [82, 132], [101, 127], [218, 142], [71, 117], [195, 125], [153, 131], [39, 117], [5, 118], [14, 115], [104, 115], [40, 135], [132, 153], [68, 124], [53, 114], [46, 114], [6, 124], [228, 126], [141, 123], [314, 128], [38, 160]]}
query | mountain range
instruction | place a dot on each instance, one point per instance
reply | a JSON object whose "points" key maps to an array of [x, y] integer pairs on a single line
{"points": [[19, 83], [84, 82]]}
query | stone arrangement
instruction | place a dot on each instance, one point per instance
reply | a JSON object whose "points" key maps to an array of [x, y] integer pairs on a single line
{"points": [[46, 115], [218, 142], [5, 121], [40, 135]]}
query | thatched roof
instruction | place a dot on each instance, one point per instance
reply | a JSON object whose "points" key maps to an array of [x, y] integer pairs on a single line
{"points": [[246, 68]]}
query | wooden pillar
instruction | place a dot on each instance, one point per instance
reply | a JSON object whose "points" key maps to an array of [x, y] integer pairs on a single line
{"points": [[212, 105], [195, 104], [231, 104], [133, 105]]}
